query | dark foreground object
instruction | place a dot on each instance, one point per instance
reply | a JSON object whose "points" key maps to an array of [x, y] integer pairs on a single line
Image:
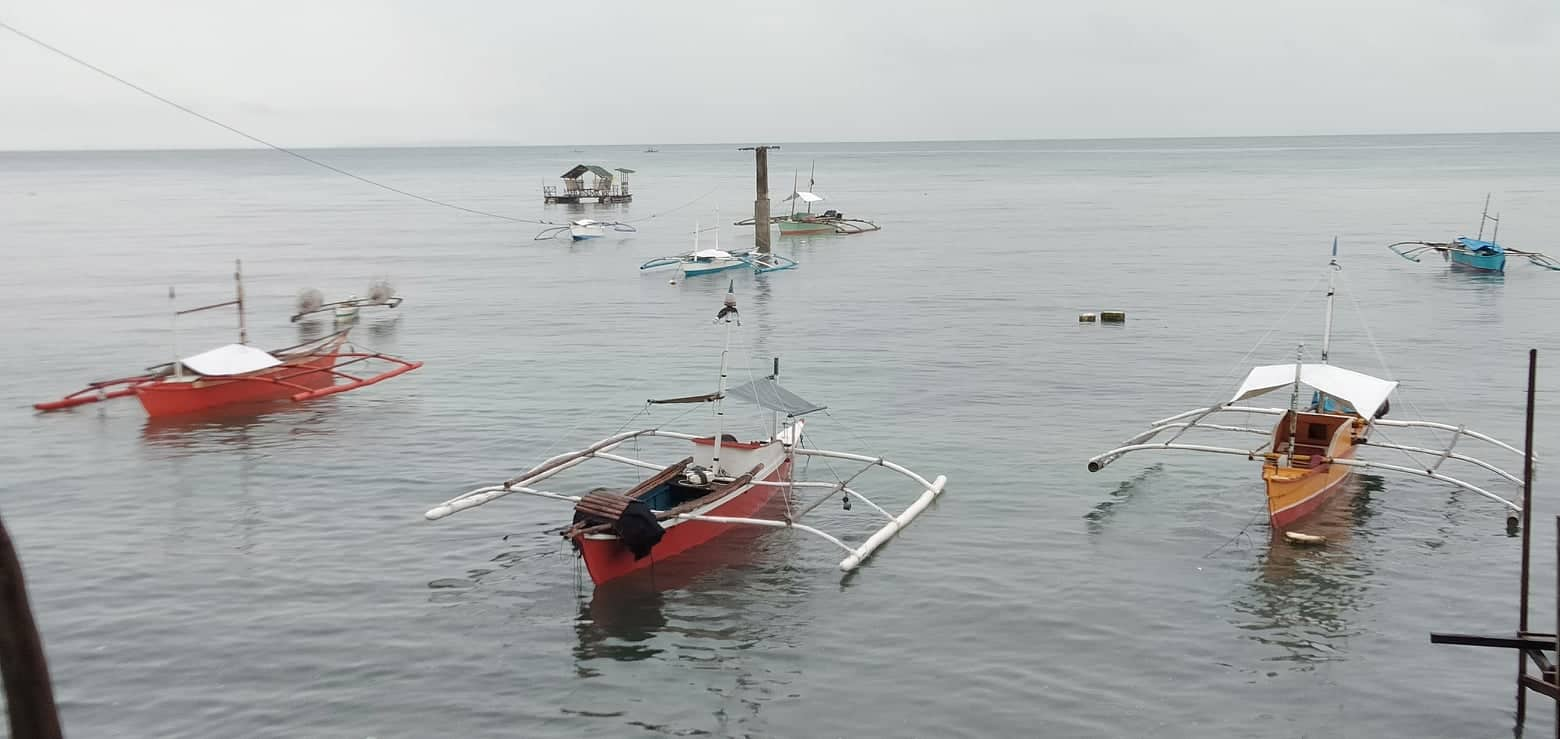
{"points": [[29, 697]]}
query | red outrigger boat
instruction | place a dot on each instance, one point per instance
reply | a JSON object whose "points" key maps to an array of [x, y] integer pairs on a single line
{"points": [[723, 483], [240, 374]]}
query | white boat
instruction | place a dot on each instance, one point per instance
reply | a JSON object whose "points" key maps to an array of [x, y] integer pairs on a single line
{"points": [[347, 310], [585, 228], [1309, 453], [720, 483], [709, 261]]}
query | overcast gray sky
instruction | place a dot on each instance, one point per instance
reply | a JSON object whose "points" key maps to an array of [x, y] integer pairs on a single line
{"points": [[393, 72]]}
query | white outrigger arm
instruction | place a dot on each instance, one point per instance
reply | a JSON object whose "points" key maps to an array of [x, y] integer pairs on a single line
{"points": [[1434, 457], [603, 450]]}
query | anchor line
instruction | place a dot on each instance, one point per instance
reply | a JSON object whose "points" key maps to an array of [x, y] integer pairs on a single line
{"points": [[257, 139]]}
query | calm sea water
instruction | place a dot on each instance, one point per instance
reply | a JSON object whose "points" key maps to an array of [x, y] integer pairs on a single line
{"points": [[271, 575]]}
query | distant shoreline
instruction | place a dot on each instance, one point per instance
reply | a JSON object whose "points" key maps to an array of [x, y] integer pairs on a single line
{"points": [[639, 146]]}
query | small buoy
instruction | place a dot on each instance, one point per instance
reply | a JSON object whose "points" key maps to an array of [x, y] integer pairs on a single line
{"points": [[671, 282], [1300, 538], [1087, 317], [1113, 316]]}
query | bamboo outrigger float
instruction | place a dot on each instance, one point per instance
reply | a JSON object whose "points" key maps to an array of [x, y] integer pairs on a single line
{"points": [[238, 373], [723, 483], [1474, 253], [1310, 451]]}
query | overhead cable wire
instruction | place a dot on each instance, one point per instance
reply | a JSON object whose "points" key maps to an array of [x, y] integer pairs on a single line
{"points": [[284, 150]]}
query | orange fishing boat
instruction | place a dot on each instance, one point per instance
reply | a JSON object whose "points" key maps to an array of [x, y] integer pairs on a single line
{"points": [[236, 374], [1310, 452]]}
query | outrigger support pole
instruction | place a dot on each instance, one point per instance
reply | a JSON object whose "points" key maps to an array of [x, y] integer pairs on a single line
{"points": [[1531, 646]]}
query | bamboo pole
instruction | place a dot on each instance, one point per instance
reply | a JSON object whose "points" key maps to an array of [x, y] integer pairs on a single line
{"points": [[1527, 535]]}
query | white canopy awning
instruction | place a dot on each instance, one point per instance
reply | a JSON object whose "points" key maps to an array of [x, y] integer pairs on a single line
{"points": [[233, 359], [805, 197], [711, 254], [1360, 390]]}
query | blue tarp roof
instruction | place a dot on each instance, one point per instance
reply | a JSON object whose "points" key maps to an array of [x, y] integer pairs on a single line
{"points": [[1477, 245]]}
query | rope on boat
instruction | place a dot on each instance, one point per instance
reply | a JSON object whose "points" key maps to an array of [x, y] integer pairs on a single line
{"points": [[1380, 357]]}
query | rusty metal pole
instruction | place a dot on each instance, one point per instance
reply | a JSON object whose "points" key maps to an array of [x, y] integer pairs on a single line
{"points": [[29, 698], [761, 200], [1527, 535]]}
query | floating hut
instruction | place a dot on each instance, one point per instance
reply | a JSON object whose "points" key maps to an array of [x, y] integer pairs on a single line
{"points": [[605, 188]]}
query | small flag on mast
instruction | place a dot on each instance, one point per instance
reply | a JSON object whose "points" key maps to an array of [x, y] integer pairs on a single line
{"points": [[730, 308]]}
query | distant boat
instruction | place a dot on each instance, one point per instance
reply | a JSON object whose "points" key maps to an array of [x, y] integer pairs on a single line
{"points": [[652, 150], [1474, 253], [381, 294], [701, 261], [585, 228], [806, 223]]}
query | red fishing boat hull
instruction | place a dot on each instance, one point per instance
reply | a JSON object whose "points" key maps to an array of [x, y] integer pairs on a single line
{"points": [[172, 397], [607, 559]]}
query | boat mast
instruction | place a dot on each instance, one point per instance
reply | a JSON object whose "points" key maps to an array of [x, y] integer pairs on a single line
{"points": [[795, 193], [1485, 217], [774, 416], [727, 314], [812, 182], [173, 323], [238, 282], [1294, 408]]}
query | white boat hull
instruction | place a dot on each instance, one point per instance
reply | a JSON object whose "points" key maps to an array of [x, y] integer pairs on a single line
{"points": [[581, 233], [692, 269]]}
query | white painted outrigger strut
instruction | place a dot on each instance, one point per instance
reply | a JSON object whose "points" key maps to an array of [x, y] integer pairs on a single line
{"points": [[1141, 442]]}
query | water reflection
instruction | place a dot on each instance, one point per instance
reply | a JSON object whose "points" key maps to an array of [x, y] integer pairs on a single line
{"points": [[716, 595], [243, 426], [615, 623], [1303, 595], [1103, 511], [310, 329]]}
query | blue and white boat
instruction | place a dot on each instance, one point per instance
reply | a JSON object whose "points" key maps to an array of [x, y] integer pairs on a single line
{"points": [[710, 261], [1474, 253]]}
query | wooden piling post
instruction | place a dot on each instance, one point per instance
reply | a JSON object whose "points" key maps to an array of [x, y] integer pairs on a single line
{"points": [[761, 200], [29, 697], [1527, 535]]}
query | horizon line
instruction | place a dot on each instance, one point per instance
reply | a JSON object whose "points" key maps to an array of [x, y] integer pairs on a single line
{"points": [[132, 150]]}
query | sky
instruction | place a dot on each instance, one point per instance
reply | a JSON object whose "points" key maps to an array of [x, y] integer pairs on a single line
{"points": [[317, 73]]}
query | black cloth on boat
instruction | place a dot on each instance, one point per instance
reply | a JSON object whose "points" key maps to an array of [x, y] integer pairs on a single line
{"points": [[638, 529]]}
